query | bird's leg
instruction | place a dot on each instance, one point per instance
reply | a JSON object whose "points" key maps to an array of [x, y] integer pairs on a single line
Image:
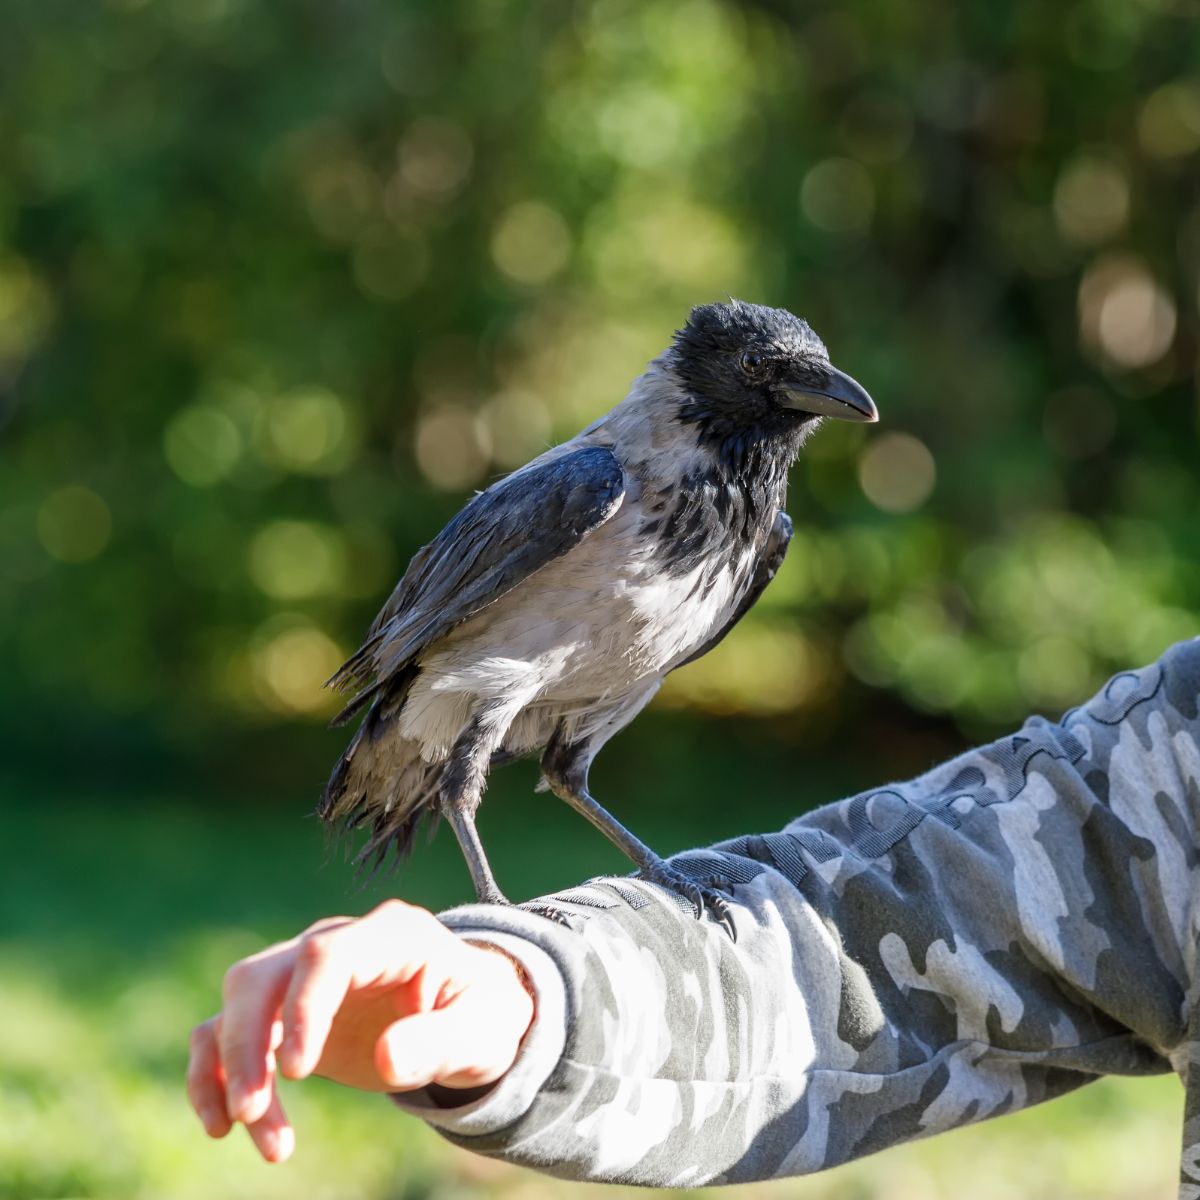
{"points": [[462, 821], [463, 781], [565, 769]]}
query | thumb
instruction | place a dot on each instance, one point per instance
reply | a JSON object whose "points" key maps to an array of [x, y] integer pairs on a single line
{"points": [[452, 1046]]}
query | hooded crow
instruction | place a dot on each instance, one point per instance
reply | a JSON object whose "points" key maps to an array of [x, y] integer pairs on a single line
{"points": [[547, 613]]}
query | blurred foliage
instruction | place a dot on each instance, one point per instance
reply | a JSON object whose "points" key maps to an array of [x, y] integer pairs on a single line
{"points": [[280, 283]]}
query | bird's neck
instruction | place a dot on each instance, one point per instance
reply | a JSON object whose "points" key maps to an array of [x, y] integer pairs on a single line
{"points": [[749, 459], [663, 433]]}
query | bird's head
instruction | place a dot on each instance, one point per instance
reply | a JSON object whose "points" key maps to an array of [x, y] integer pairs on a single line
{"points": [[750, 372]]}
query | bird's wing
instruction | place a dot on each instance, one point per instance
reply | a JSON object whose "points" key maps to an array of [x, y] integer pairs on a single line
{"points": [[772, 559], [503, 536]]}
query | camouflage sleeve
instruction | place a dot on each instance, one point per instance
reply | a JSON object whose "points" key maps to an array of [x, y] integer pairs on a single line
{"points": [[997, 932]]}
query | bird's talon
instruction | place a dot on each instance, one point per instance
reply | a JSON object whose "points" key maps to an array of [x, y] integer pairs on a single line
{"points": [[704, 895], [549, 912]]}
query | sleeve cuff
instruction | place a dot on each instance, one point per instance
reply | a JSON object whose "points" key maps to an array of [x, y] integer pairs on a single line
{"points": [[539, 1054]]}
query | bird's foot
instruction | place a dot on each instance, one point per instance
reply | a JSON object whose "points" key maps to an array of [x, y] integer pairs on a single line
{"points": [[705, 894], [493, 895], [549, 912]]}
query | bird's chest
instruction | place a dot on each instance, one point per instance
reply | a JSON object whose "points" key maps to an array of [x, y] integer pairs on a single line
{"points": [[692, 555]]}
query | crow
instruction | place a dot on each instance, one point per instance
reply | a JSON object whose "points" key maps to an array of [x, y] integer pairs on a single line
{"points": [[546, 614]]}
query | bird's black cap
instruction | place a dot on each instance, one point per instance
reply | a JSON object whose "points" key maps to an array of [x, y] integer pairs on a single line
{"points": [[737, 326], [761, 369]]}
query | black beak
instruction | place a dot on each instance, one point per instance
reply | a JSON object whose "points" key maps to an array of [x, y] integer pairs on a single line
{"points": [[837, 395]]}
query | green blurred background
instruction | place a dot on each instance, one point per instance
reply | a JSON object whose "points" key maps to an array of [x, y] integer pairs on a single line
{"points": [[280, 284]]}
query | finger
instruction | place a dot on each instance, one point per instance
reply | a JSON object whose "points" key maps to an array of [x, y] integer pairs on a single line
{"points": [[254, 989], [448, 1046], [322, 976], [272, 1134], [206, 1081], [391, 945]]}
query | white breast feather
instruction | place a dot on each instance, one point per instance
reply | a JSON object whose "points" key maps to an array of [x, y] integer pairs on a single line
{"points": [[600, 623]]}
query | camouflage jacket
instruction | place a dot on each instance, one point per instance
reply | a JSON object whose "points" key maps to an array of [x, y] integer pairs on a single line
{"points": [[995, 933]]}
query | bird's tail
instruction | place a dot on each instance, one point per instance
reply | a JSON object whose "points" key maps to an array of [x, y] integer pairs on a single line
{"points": [[382, 782]]}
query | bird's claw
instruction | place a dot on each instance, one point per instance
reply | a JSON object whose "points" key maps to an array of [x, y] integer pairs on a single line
{"points": [[713, 886], [549, 912], [705, 894]]}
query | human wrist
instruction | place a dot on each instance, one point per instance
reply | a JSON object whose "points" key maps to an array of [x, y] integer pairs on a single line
{"points": [[474, 1112], [504, 978], [519, 1000]]}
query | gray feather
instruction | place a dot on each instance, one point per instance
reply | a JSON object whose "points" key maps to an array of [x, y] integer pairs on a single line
{"points": [[503, 536], [769, 564]]}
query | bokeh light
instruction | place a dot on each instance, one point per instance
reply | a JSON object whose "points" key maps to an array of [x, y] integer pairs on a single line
{"points": [[74, 524], [897, 472], [837, 196], [518, 424], [641, 126], [293, 560], [291, 660], [1169, 121], [775, 670], [648, 239], [26, 310], [391, 263], [1053, 671], [434, 158], [341, 194], [451, 447], [531, 243], [1091, 199], [202, 445], [1125, 313], [311, 431]]}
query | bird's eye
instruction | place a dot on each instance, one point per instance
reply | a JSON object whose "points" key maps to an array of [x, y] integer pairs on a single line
{"points": [[752, 362]]}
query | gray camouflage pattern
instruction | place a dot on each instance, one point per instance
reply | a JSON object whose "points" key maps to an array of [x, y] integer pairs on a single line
{"points": [[995, 933]]}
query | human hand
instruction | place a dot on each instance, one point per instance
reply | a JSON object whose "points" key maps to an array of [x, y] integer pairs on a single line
{"points": [[387, 1002]]}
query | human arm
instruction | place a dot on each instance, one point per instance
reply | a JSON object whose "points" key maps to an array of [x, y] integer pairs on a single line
{"points": [[1010, 925]]}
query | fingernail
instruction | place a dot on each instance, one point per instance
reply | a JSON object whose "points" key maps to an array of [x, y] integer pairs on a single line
{"points": [[277, 1144], [287, 1143], [246, 1104], [291, 1059], [236, 1095]]}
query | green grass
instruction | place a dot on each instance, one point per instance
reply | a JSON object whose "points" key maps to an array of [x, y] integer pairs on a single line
{"points": [[120, 917]]}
